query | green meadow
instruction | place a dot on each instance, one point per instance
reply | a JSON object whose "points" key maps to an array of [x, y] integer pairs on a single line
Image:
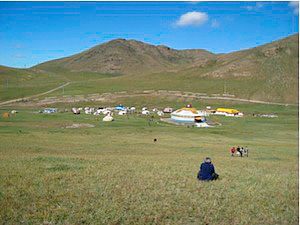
{"points": [[114, 173]]}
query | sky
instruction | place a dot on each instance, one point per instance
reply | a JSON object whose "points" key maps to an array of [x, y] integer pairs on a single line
{"points": [[35, 32]]}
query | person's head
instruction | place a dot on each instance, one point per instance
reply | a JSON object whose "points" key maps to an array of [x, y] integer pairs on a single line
{"points": [[207, 160]]}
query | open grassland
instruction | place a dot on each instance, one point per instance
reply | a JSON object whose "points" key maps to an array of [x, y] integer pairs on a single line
{"points": [[115, 174], [19, 83], [260, 87]]}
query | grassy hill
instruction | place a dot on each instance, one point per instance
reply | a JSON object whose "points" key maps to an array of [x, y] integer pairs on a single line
{"points": [[127, 57], [18, 83], [268, 72]]}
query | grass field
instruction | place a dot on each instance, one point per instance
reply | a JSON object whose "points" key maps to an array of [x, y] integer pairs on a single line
{"points": [[114, 173]]}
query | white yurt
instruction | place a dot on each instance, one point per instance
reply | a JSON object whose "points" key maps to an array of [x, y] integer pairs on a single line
{"points": [[145, 112], [108, 118], [122, 112], [188, 114]]}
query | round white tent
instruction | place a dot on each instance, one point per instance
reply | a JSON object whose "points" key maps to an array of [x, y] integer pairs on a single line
{"points": [[188, 114]]}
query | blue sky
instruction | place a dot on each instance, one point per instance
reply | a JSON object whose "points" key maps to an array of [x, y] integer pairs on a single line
{"points": [[35, 32]]}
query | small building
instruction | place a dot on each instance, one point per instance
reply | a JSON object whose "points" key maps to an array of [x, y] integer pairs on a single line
{"points": [[227, 112]]}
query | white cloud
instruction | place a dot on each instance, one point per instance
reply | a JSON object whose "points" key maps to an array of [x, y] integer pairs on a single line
{"points": [[255, 7], [215, 23], [193, 2], [295, 7], [192, 19]]}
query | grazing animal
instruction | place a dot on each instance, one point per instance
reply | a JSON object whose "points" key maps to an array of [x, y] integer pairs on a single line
{"points": [[155, 140]]}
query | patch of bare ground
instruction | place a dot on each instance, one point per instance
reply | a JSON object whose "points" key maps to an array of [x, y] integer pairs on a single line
{"points": [[112, 97], [46, 124], [80, 125]]}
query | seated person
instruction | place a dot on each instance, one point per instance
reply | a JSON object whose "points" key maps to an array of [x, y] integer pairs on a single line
{"points": [[207, 171]]}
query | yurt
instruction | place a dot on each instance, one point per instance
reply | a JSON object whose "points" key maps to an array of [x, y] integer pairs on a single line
{"points": [[168, 110], [108, 118], [188, 114]]}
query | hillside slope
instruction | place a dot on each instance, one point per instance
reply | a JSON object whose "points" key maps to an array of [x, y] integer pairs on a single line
{"points": [[269, 72], [274, 68], [18, 83], [128, 57]]}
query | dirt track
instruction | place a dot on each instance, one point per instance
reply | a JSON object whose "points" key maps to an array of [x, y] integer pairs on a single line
{"points": [[104, 96], [33, 96]]}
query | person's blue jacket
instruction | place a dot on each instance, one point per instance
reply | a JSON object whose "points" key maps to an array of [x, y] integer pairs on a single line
{"points": [[206, 171]]}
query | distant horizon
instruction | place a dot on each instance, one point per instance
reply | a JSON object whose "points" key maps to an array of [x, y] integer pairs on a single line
{"points": [[36, 32]]}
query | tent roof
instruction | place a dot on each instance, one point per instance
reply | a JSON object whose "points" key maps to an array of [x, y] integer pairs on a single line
{"points": [[187, 112]]}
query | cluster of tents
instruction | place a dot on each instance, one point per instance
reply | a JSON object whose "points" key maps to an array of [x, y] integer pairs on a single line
{"points": [[186, 114]]}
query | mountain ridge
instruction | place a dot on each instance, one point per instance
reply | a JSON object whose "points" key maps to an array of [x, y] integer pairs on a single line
{"points": [[120, 56], [123, 56], [269, 72]]}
